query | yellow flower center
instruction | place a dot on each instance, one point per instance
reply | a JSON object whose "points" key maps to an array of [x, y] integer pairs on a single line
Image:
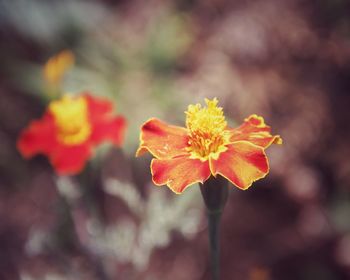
{"points": [[207, 130], [71, 118]]}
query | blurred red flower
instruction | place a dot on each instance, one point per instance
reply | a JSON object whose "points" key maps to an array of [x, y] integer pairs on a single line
{"points": [[207, 146], [69, 130]]}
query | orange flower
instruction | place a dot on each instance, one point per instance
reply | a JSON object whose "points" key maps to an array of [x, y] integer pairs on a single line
{"points": [[69, 130], [207, 146], [57, 66]]}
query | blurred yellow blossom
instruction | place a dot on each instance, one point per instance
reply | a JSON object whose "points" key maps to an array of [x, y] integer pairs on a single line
{"points": [[57, 66]]}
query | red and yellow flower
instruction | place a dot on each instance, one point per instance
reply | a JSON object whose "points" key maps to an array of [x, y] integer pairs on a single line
{"points": [[207, 146], [69, 130]]}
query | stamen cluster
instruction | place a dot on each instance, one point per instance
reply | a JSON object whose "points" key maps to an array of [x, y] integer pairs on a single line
{"points": [[71, 118], [206, 128]]}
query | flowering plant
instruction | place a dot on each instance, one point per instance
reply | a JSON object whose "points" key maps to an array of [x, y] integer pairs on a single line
{"points": [[207, 146], [69, 130]]}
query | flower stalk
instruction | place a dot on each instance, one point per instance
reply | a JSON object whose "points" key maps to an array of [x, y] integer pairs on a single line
{"points": [[215, 193]]}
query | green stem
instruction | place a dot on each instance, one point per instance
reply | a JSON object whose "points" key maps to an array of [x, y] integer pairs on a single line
{"points": [[215, 193], [214, 242], [88, 182], [67, 235]]}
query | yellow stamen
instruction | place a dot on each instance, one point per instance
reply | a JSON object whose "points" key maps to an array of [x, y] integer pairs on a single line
{"points": [[71, 118], [207, 130]]}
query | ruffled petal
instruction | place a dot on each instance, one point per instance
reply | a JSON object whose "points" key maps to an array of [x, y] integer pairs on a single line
{"points": [[98, 107], [70, 160], [242, 164], [38, 137], [162, 140], [179, 173], [112, 130], [255, 130]]}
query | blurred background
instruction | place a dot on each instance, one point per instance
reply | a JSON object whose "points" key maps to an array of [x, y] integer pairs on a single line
{"points": [[288, 61]]}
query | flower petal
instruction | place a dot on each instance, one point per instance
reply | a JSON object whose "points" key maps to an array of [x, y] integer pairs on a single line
{"points": [[38, 137], [109, 130], [162, 140], [255, 130], [70, 160], [98, 107], [242, 164], [179, 173]]}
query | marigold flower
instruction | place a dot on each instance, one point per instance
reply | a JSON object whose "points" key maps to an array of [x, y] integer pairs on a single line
{"points": [[69, 130], [57, 66], [207, 146]]}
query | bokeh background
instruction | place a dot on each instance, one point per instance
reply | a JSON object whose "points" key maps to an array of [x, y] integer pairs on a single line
{"points": [[286, 60]]}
